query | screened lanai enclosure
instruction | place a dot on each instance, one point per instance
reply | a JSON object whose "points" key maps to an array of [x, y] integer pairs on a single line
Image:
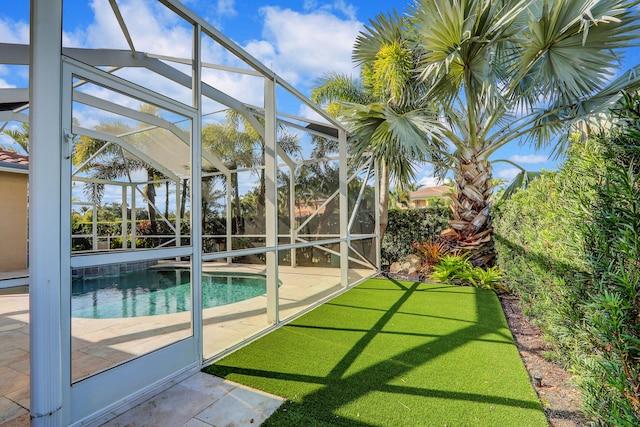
{"points": [[184, 199]]}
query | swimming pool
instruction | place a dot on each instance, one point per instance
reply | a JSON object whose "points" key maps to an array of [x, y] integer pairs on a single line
{"points": [[158, 291]]}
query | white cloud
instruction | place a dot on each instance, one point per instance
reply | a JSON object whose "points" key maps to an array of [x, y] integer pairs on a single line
{"points": [[349, 10], [508, 174], [429, 181], [307, 112], [263, 50], [309, 4], [226, 8], [6, 85], [245, 88], [306, 45], [529, 159], [14, 31]]}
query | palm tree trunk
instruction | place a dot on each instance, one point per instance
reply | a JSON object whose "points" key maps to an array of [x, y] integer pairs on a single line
{"points": [[261, 203], [238, 211], [471, 229], [384, 198], [183, 197], [166, 200], [151, 199]]}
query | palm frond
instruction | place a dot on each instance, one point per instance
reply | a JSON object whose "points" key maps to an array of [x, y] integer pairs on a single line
{"points": [[338, 87], [383, 29], [571, 50], [520, 181], [20, 136]]}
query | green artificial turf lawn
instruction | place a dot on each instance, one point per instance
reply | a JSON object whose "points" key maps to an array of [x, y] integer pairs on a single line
{"points": [[390, 353]]}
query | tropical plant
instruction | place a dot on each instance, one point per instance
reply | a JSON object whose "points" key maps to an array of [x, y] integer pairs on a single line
{"points": [[457, 269], [430, 251], [20, 136], [483, 74], [377, 107], [401, 195], [490, 278], [451, 268], [238, 144], [235, 149], [569, 246]]}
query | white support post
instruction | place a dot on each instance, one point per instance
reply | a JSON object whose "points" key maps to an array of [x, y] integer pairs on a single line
{"points": [[178, 219], [292, 214], [134, 214], [196, 197], [124, 217], [229, 214], [94, 219], [271, 198], [344, 208], [123, 234], [45, 221]]}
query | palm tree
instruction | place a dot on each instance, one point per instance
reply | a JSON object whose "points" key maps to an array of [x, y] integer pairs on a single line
{"points": [[20, 136], [377, 107], [286, 140], [111, 164], [401, 194], [489, 73], [235, 149]]}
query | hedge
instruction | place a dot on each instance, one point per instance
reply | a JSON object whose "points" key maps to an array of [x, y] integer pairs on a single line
{"points": [[407, 226], [569, 246]]}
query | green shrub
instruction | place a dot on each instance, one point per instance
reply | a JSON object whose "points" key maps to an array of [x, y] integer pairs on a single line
{"points": [[612, 242], [451, 269], [407, 226], [569, 246], [490, 278]]}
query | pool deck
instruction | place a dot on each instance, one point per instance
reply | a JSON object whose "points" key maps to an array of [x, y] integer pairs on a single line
{"points": [[98, 344]]}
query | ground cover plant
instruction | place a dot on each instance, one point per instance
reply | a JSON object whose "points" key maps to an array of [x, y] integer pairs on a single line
{"points": [[569, 246], [391, 353], [458, 270]]}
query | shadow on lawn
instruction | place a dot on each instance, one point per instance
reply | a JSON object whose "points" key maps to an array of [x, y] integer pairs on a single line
{"points": [[320, 406]]}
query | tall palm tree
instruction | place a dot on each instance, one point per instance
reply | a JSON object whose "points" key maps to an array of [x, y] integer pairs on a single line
{"points": [[488, 73], [377, 107], [287, 141], [235, 149]]}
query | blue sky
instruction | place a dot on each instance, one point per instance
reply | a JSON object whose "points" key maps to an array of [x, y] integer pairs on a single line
{"points": [[300, 40]]}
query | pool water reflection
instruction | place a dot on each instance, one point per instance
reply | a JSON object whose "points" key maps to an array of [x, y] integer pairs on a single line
{"points": [[157, 291]]}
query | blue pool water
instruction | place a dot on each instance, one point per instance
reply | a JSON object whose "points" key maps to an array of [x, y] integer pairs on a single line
{"points": [[157, 291]]}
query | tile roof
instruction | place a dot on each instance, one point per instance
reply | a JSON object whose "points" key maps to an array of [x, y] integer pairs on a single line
{"points": [[9, 159], [437, 191]]}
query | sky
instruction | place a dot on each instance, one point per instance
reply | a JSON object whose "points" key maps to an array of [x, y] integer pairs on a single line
{"points": [[300, 40]]}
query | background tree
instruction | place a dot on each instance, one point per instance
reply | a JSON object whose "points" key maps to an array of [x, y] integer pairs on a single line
{"points": [[401, 195], [238, 144], [109, 161], [20, 136]]}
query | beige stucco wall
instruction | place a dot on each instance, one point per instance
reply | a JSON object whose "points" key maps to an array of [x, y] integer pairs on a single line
{"points": [[13, 221]]}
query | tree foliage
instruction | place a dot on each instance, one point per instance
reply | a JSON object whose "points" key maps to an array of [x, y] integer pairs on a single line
{"points": [[463, 78], [569, 246]]}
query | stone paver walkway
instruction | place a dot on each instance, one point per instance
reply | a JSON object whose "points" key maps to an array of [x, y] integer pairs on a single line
{"points": [[201, 400]]}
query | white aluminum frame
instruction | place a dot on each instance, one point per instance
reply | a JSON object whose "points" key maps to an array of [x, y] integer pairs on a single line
{"points": [[54, 401]]}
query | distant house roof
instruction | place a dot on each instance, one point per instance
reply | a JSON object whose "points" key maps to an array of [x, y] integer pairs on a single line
{"points": [[425, 193], [11, 160]]}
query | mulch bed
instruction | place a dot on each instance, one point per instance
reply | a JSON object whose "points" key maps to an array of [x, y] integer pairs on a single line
{"points": [[556, 390]]}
